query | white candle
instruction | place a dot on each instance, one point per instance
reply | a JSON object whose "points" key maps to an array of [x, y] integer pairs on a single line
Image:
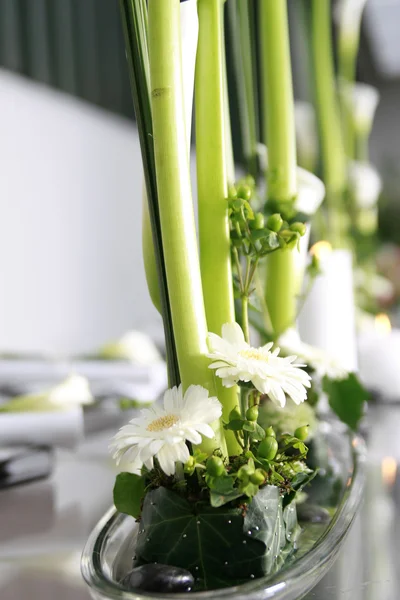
{"points": [[379, 358], [327, 320]]}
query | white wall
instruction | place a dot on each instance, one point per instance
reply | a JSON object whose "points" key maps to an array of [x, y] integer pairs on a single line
{"points": [[71, 274]]}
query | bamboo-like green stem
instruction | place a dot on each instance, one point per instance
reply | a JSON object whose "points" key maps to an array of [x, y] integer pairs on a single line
{"points": [[149, 259], [332, 148], [134, 22], [215, 253], [281, 289], [175, 198], [245, 318], [279, 126]]}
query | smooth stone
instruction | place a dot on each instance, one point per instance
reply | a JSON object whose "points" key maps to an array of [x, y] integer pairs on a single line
{"points": [[312, 513], [159, 578]]}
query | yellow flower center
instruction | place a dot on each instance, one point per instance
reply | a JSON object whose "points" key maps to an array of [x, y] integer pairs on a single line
{"points": [[162, 423], [255, 354]]}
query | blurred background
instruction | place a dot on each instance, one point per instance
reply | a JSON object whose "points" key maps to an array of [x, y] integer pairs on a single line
{"points": [[71, 273]]}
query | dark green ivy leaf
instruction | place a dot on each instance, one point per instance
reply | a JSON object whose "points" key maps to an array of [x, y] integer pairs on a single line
{"points": [[220, 545], [129, 493], [346, 399]]}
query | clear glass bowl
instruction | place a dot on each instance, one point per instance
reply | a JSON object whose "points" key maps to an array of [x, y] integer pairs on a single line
{"points": [[107, 557]]}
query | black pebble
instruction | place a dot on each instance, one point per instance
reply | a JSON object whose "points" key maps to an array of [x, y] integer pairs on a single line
{"points": [[159, 578], [312, 513]]}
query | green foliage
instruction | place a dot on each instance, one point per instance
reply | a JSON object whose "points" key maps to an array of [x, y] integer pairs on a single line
{"points": [[129, 493], [346, 398], [221, 546]]}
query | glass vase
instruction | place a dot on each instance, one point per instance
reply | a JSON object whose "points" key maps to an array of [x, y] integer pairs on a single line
{"points": [[108, 555]]}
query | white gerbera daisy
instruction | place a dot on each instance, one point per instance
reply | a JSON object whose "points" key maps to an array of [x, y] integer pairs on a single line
{"points": [[162, 432], [235, 360], [319, 360]]}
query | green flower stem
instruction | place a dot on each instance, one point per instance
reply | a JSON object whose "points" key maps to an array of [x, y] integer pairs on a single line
{"points": [[175, 200], [150, 266], [245, 318], [279, 127], [281, 289], [332, 149], [215, 258]]}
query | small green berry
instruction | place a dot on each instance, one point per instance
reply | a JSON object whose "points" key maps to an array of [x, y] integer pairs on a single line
{"points": [[232, 192], [252, 413], [244, 191], [301, 433], [249, 179], [215, 466], [270, 432], [258, 477], [274, 222], [257, 222], [301, 228], [268, 448]]}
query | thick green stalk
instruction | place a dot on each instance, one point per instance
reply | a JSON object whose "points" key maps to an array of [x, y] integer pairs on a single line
{"points": [[134, 22], [282, 289], [175, 198], [215, 257], [332, 148], [279, 127]]}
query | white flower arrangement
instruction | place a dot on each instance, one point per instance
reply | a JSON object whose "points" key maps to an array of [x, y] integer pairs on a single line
{"points": [[235, 360], [162, 432]]}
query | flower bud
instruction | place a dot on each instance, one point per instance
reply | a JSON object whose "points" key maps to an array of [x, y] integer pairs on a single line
{"points": [[232, 193], [258, 477], [301, 433], [274, 222], [270, 432], [268, 448], [300, 228], [245, 472], [252, 413], [244, 191], [235, 414], [249, 179], [189, 465], [215, 466], [257, 222]]}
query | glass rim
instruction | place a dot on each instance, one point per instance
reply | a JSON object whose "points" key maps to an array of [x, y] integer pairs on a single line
{"points": [[280, 585]]}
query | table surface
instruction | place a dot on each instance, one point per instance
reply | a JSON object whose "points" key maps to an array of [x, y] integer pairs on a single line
{"points": [[44, 525]]}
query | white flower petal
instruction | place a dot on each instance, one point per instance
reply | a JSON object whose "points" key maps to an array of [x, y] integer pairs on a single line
{"points": [[162, 432]]}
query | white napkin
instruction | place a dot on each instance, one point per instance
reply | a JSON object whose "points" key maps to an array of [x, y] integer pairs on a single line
{"points": [[61, 428]]}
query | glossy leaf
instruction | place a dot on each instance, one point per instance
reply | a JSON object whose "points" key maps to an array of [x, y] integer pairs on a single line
{"points": [[220, 545], [129, 493], [346, 398]]}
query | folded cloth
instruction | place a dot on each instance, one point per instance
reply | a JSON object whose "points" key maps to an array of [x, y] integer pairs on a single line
{"points": [[62, 429]]}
